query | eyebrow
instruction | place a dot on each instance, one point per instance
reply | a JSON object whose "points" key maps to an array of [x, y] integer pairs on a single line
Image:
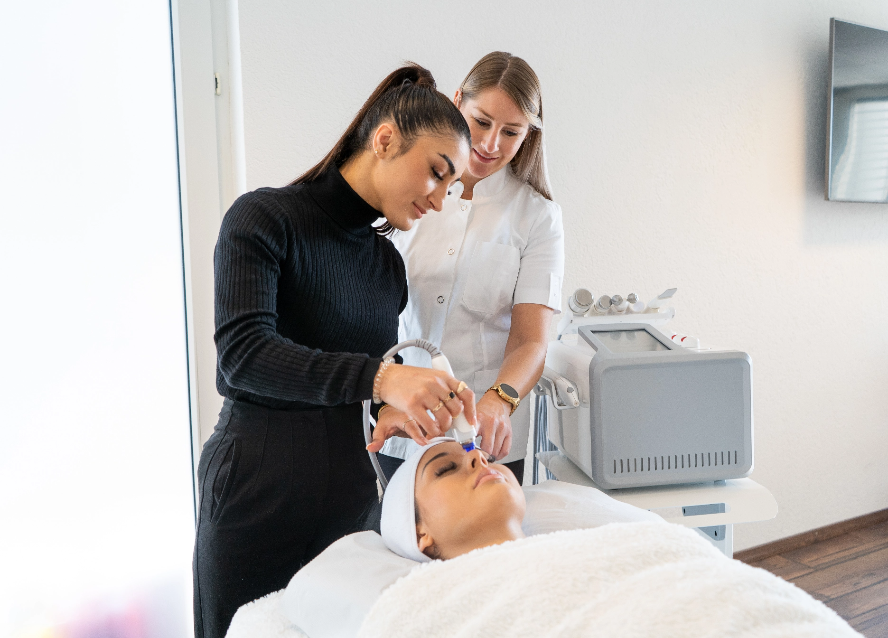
{"points": [[490, 117], [434, 458], [449, 163]]}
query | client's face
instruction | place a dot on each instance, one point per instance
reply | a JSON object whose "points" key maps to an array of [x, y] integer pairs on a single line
{"points": [[463, 502]]}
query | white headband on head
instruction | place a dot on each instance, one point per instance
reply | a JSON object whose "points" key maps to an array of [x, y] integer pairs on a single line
{"points": [[398, 523]]}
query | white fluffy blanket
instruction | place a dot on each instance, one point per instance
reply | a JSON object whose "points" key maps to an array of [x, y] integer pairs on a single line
{"points": [[262, 618], [623, 579]]}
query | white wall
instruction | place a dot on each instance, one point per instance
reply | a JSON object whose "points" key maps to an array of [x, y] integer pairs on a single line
{"points": [[686, 144]]}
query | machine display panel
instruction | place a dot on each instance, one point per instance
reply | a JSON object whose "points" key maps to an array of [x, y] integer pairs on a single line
{"points": [[630, 341]]}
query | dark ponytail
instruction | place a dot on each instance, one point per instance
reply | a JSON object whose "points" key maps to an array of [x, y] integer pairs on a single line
{"points": [[409, 99]]}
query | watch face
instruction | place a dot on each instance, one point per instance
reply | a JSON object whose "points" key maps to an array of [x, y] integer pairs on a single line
{"points": [[509, 390]]}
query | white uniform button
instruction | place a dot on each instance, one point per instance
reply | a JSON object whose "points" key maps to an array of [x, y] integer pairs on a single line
{"points": [[440, 299], [450, 252], [464, 206]]}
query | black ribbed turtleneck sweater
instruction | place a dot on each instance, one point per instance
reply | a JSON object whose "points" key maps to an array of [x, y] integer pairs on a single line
{"points": [[307, 296]]}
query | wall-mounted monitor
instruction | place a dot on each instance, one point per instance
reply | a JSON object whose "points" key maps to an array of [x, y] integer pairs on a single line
{"points": [[857, 137]]}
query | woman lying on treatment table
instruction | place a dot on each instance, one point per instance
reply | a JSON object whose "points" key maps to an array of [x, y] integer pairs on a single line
{"points": [[454, 502], [620, 579]]}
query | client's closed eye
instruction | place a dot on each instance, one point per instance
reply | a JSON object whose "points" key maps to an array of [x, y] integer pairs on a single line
{"points": [[441, 471]]}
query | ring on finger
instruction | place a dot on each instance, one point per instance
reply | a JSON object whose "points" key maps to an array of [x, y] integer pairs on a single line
{"points": [[462, 386], [449, 397], [438, 407], [404, 425]]}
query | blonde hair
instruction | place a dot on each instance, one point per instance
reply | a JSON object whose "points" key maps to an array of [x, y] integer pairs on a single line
{"points": [[515, 77]]}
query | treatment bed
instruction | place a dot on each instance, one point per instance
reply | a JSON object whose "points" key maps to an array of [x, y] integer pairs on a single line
{"points": [[591, 565]]}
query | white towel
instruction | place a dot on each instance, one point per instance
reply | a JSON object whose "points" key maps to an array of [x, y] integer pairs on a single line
{"points": [[398, 524], [623, 579], [263, 618]]}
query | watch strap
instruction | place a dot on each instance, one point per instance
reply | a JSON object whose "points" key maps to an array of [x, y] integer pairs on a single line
{"points": [[505, 397]]}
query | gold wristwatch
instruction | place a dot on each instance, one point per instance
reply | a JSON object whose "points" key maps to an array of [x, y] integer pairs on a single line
{"points": [[507, 393]]}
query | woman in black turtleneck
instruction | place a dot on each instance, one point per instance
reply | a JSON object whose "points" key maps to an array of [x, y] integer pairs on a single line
{"points": [[308, 295]]}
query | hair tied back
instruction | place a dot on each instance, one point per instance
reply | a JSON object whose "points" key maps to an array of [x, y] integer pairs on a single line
{"points": [[409, 99]]}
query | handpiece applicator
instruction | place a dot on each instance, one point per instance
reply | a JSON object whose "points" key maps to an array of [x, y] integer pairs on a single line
{"points": [[464, 433]]}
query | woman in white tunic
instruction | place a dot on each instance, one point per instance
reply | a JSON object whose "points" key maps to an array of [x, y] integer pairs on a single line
{"points": [[485, 276]]}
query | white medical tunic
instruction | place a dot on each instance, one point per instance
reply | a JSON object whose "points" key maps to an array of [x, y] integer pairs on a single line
{"points": [[467, 265]]}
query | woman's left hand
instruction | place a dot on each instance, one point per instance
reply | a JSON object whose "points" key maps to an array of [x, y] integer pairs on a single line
{"points": [[494, 425], [392, 422]]}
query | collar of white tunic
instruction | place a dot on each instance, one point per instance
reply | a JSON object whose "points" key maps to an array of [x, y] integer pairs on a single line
{"points": [[490, 186]]}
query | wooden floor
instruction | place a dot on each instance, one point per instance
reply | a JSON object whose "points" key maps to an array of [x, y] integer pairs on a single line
{"points": [[849, 573]]}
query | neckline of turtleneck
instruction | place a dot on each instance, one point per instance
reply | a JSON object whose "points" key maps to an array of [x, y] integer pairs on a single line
{"points": [[342, 204]]}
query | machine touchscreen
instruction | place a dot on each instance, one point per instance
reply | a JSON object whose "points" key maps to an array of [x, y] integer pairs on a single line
{"points": [[620, 341]]}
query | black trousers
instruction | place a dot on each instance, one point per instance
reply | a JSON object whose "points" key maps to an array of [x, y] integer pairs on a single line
{"points": [[276, 488], [390, 464]]}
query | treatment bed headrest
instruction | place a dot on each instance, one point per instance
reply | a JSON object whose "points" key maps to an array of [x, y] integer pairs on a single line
{"points": [[398, 525]]}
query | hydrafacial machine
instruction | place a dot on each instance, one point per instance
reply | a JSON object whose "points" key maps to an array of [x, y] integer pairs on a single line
{"points": [[632, 406], [461, 430]]}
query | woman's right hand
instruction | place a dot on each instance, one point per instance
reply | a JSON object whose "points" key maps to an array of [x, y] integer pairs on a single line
{"points": [[414, 390]]}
